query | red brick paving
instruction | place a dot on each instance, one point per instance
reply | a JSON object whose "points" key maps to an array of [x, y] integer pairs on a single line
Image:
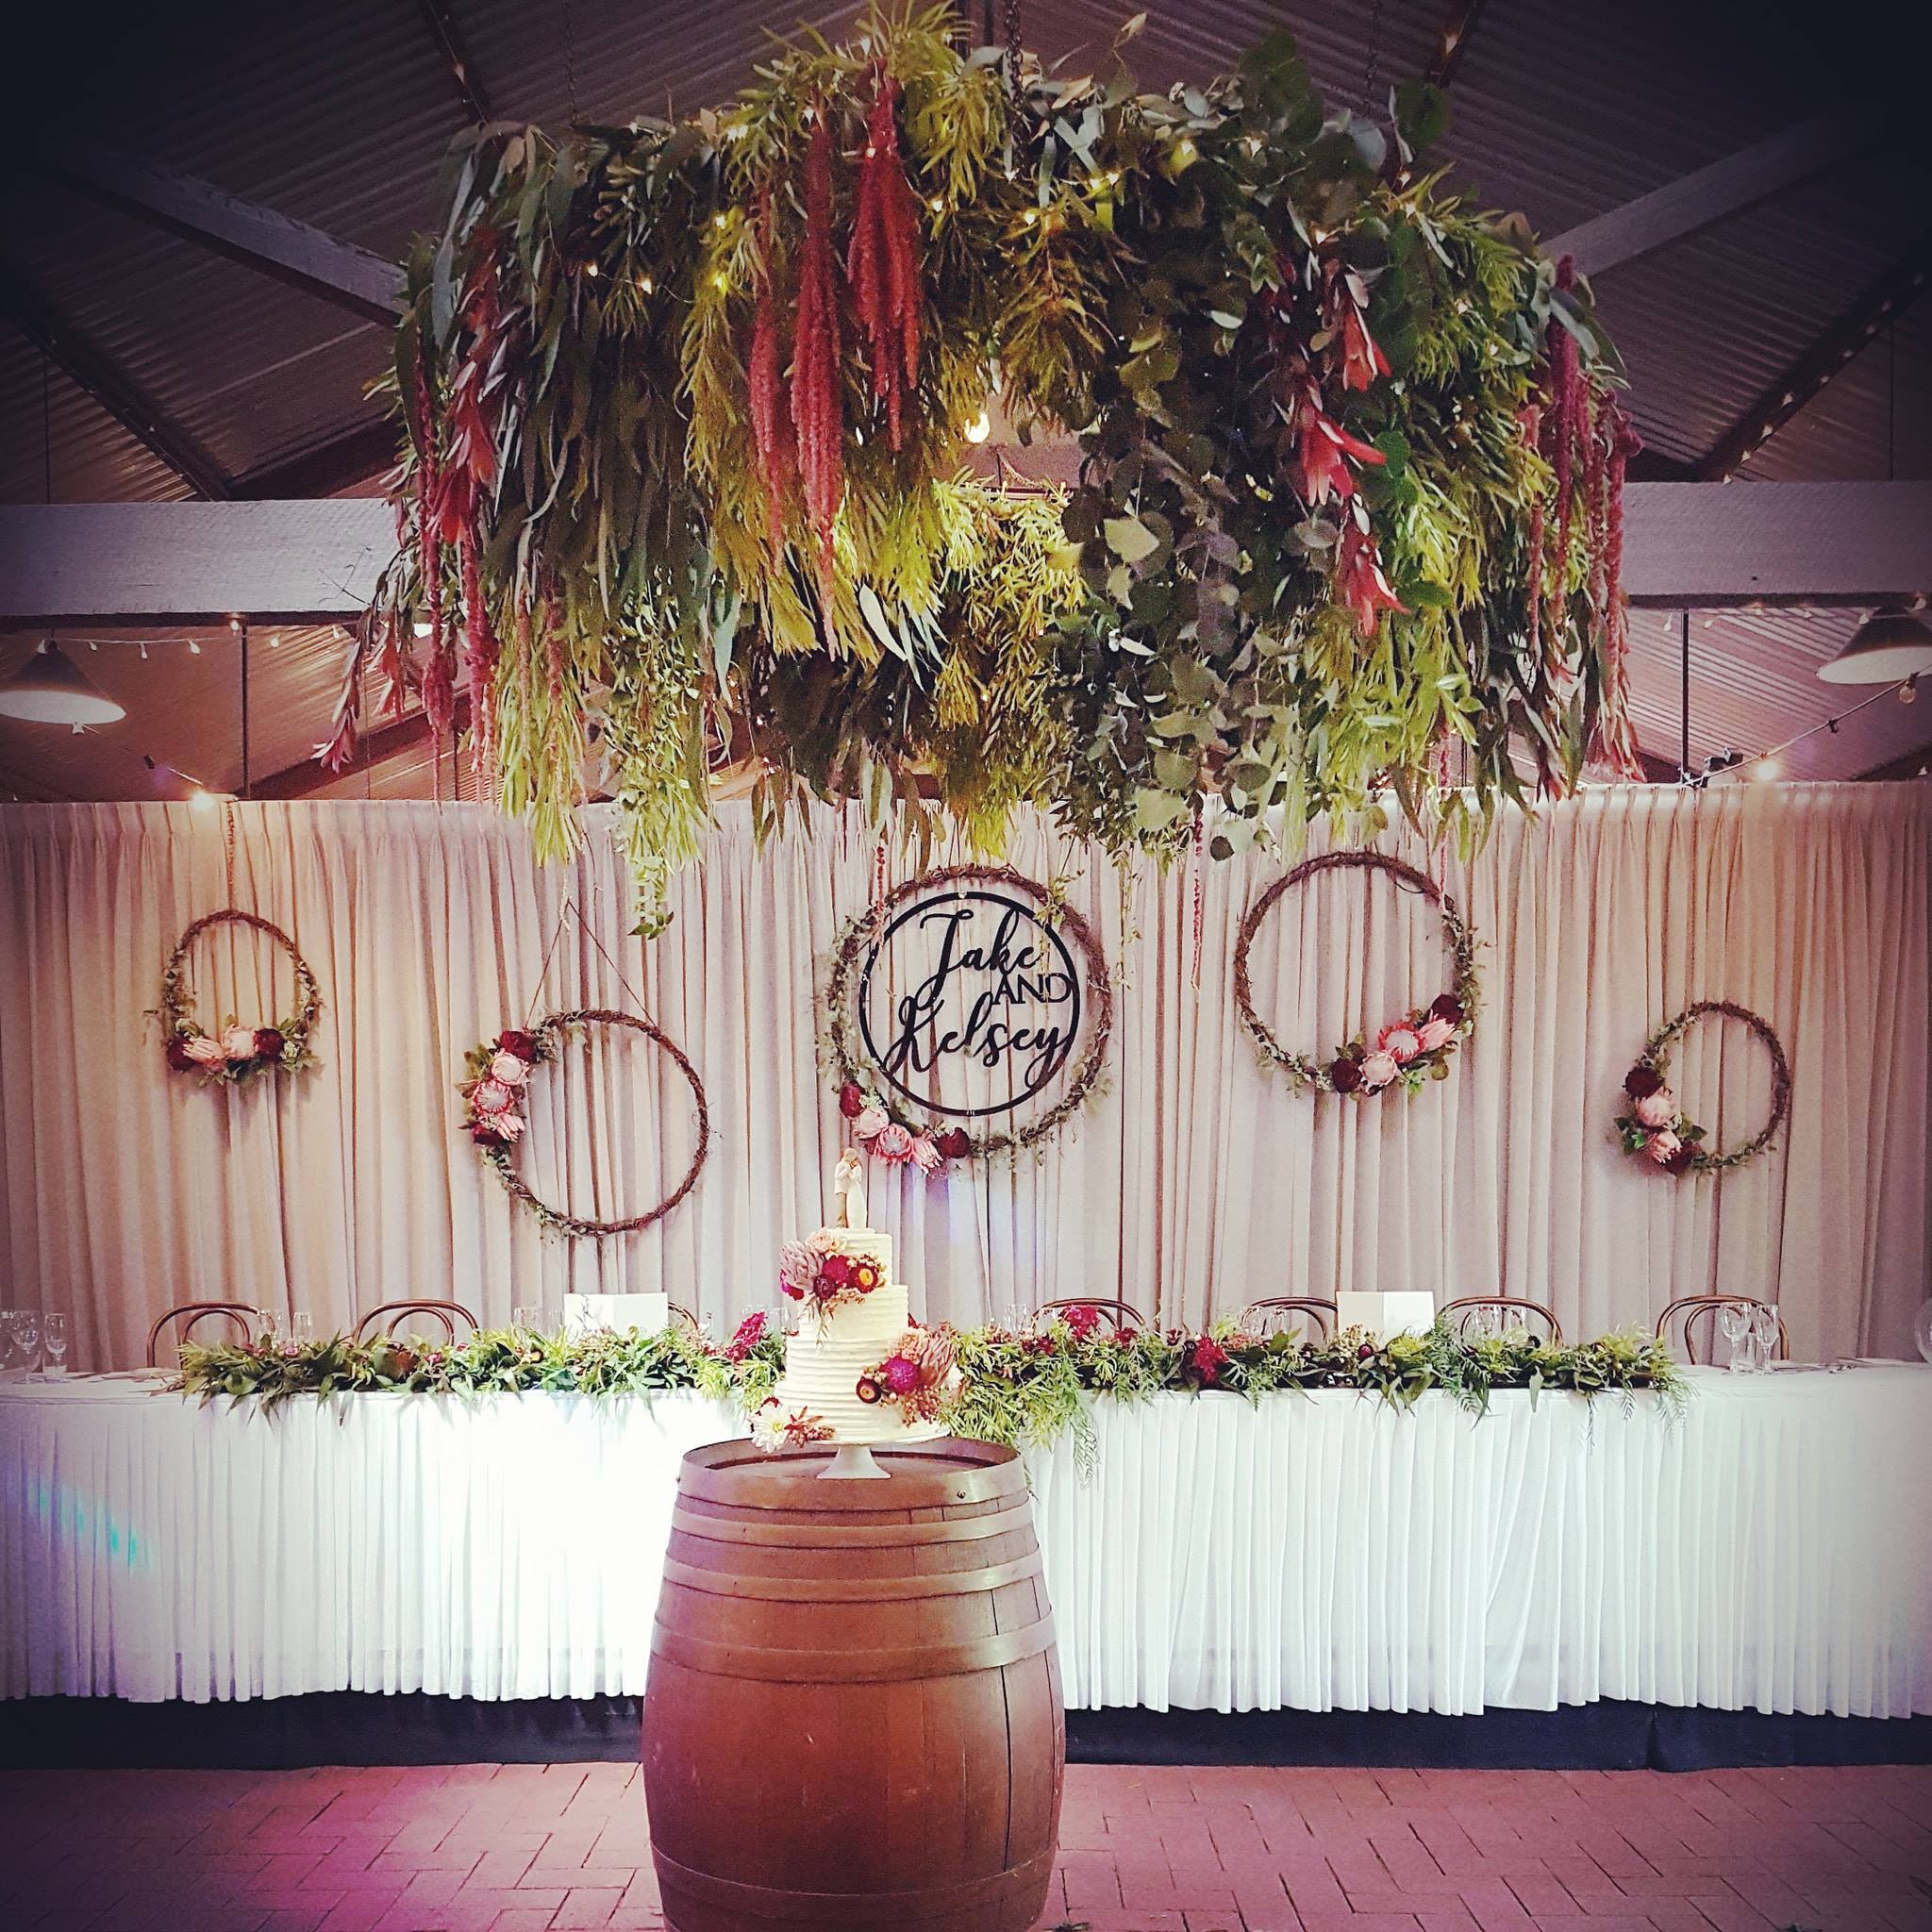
{"points": [[543, 1848]]}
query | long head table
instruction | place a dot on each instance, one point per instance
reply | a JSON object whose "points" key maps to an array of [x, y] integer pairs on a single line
{"points": [[1769, 1549]]}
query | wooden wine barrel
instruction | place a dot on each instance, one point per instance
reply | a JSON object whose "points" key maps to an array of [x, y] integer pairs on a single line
{"points": [[854, 1711]]}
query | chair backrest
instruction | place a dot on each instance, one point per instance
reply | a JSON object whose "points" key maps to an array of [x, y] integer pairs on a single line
{"points": [[1515, 1309], [682, 1317], [190, 1315], [1117, 1315], [1687, 1311], [387, 1316], [1280, 1311]]}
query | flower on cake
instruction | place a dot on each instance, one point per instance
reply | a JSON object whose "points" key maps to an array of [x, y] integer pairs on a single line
{"points": [[917, 1377], [823, 1276], [772, 1428]]}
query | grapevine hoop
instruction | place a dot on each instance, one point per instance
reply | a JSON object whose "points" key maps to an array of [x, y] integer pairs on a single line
{"points": [[1408, 1050], [848, 965], [495, 1130], [1675, 1144], [279, 1045]]}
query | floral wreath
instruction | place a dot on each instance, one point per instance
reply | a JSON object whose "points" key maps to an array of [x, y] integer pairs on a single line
{"points": [[1407, 1051], [499, 1070], [237, 1052], [824, 1276], [898, 1135], [1658, 1129], [916, 1377]]}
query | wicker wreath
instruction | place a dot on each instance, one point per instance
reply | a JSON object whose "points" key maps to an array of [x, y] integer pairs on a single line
{"points": [[1654, 1127], [237, 1052], [1407, 1052], [863, 1097], [498, 1070]]}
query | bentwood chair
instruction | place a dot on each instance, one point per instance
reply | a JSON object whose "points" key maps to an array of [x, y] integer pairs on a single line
{"points": [[1684, 1314], [385, 1318], [1280, 1311], [682, 1317], [1515, 1311], [190, 1315], [1118, 1315]]}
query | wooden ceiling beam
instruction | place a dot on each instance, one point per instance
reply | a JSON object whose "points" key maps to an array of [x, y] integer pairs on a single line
{"points": [[449, 43], [95, 372], [292, 252], [1818, 362], [1726, 188], [1695, 545]]}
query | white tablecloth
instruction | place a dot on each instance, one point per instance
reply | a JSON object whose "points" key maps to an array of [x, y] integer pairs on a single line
{"points": [[1771, 1550]]}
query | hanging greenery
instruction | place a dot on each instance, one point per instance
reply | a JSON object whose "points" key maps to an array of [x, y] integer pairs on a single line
{"points": [[687, 407]]}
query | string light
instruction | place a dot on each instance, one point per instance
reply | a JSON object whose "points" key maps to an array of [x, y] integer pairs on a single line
{"points": [[979, 428]]}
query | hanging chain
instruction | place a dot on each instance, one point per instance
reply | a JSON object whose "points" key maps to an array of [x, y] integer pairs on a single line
{"points": [[228, 848], [1200, 902], [1371, 74], [1012, 23]]}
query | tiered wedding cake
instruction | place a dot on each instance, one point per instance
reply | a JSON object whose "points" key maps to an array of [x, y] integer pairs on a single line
{"points": [[856, 1371]]}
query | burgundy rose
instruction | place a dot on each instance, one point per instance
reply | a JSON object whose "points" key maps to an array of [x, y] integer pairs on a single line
{"points": [[1208, 1359], [850, 1101], [485, 1135], [1447, 1006], [268, 1042], [837, 1269], [955, 1143], [1345, 1076], [1681, 1161], [1641, 1082], [519, 1042], [1365, 1351], [178, 1055]]}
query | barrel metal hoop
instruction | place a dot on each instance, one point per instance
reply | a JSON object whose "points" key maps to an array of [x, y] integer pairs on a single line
{"points": [[852, 1589], [835, 1536], [852, 1666], [851, 1907]]}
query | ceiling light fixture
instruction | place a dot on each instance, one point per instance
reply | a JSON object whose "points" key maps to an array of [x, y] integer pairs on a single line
{"points": [[1892, 643], [51, 689]]}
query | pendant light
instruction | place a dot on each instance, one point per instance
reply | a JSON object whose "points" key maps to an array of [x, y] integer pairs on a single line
{"points": [[51, 689], [1891, 644]]}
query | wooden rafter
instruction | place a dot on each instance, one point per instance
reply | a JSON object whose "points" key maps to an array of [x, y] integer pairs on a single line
{"points": [[1452, 44], [1726, 188], [1896, 290], [449, 42], [115, 390], [292, 252]]}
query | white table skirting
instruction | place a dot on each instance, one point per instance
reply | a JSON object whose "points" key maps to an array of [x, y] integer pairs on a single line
{"points": [[1771, 1550]]}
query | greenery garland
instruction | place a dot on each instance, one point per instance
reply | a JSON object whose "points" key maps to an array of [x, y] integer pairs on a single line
{"points": [[235, 1053], [493, 1092], [864, 1097], [1407, 1052], [1024, 1390], [1658, 1129], [687, 404]]}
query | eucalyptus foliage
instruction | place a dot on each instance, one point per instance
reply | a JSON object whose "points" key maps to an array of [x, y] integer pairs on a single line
{"points": [[602, 538]]}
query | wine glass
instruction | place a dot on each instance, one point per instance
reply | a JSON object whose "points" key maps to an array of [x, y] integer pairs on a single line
{"points": [[1739, 1325], [302, 1327], [268, 1326], [1764, 1331], [26, 1337], [54, 1335], [8, 1348]]}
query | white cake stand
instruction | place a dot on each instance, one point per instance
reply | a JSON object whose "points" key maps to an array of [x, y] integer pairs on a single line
{"points": [[853, 1462]]}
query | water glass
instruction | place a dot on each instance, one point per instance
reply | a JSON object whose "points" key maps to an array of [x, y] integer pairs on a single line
{"points": [[9, 1352], [54, 1336], [1740, 1326], [302, 1327], [268, 1326]]}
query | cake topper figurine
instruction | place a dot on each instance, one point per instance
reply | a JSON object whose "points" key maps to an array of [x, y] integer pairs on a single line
{"points": [[848, 1192]]}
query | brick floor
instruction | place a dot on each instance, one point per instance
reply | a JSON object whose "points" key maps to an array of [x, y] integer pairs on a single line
{"points": [[516, 1848]]}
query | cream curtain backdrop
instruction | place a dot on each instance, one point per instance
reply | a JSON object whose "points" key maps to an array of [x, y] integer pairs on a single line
{"points": [[1195, 1182]]}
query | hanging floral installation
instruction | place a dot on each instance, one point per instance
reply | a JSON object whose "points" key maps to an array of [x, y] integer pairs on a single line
{"points": [[1654, 1126], [229, 1054], [685, 405]]}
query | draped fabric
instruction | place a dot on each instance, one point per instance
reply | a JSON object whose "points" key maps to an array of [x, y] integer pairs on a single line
{"points": [[1195, 1181], [1765, 1550]]}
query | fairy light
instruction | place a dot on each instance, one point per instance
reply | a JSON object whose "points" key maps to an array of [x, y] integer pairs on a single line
{"points": [[979, 428], [194, 647]]}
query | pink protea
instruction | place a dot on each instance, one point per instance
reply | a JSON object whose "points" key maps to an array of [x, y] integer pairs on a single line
{"points": [[892, 1144], [926, 1157], [1401, 1043], [1659, 1110], [871, 1124]]}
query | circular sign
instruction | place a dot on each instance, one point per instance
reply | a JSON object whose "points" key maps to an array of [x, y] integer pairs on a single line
{"points": [[971, 995]]}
